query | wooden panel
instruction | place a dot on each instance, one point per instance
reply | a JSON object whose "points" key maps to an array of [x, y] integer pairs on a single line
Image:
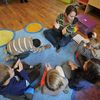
{"points": [[16, 15], [83, 2], [95, 3]]}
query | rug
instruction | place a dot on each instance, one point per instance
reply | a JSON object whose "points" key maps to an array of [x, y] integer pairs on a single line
{"points": [[5, 36], [34, 27], [47, 56]]}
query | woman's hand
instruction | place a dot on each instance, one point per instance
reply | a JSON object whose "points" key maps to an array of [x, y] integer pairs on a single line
{"points": [[56, 25], [64, 31]]}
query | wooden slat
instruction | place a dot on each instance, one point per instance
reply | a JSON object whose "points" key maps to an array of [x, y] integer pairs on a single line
{"points": [[16, 15]]}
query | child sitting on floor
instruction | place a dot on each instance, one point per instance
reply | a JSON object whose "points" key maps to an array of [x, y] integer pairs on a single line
{"points": [[15, 81], [21, 47], [88, 50], [53, 81]]}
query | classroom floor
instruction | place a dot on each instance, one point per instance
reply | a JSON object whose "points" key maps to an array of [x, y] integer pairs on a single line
{"points": [[16, 15]]}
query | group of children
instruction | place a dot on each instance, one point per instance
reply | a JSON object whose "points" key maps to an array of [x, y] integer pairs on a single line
{"points": [[15, 81]]}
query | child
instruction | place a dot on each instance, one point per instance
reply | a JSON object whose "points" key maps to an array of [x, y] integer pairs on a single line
{"points": [[55, 81], [12, 83], [89, 50], [22, 1], [21, 47]]}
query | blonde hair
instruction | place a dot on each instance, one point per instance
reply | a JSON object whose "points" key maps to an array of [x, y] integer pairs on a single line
{"points": [[53, 80], [4, 74]]}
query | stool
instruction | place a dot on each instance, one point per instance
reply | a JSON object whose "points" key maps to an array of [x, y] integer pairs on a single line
{"points": [[85, 24]]}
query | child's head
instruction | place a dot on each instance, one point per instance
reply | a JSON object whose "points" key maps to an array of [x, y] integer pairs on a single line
{"points": [[92, 35], [36, 42], [5, 74], [70, 13], [93, 70], [53, 80]]}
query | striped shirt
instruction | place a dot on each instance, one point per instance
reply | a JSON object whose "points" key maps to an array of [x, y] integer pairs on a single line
{"points": [[22, 45]]}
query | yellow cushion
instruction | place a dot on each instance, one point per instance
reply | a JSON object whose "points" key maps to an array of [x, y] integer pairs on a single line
{"points": [[33, 27], [5, 36]]}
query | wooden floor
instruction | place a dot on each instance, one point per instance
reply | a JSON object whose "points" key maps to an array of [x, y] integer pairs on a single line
{"points": [[15, 15]]}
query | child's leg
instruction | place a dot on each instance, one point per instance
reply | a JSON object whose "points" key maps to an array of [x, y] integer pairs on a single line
{"points": [[33, 72], [33, 75], [10, 57]]}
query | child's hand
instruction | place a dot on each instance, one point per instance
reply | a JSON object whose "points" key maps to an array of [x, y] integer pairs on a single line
{"points": [[17, 64], [20, 67], [11, 72], [48, 67], [47, 46], [72, 65], [86, 40]]}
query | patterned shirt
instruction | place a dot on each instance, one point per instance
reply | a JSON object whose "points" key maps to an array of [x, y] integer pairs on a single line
{"points": [[69, 27]]}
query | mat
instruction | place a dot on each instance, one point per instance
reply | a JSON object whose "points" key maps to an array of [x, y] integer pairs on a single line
{"points": [[5, 36]]}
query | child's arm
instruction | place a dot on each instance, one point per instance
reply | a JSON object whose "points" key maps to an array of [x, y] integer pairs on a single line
{"points": [[39, 49], [19, 67], [18, 87]]}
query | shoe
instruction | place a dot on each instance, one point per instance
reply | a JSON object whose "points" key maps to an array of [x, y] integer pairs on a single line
{"points": [[58, 49]]}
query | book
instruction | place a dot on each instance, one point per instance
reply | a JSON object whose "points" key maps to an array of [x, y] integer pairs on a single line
{"points": [[78, 38]]}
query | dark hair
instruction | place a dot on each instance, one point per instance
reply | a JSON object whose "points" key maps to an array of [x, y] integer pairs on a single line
{"points": [[70, 8], [89, 34], [75, 21], [36, 42], [92, 74]]}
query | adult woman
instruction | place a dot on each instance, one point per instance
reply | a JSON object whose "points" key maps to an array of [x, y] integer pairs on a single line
{"points": [[63, 29]]}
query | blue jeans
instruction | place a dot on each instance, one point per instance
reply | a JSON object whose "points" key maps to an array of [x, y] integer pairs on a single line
{"points": [[56, 37]]}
